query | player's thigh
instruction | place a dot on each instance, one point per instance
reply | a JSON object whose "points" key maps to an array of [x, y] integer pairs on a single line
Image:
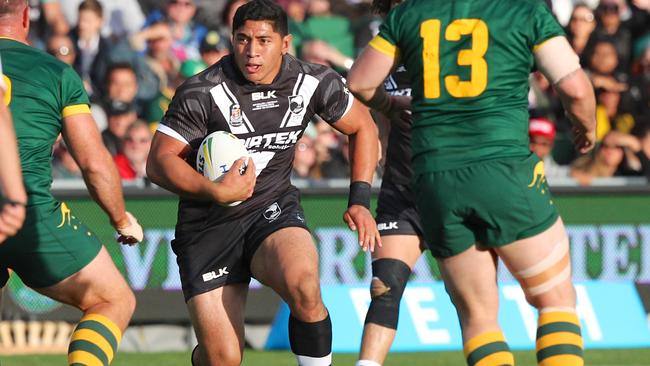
{"points": [[470, 279], [287, 259], [53, 245], [218, 320], [99, 283], [542, 265], [406, 248], [400, 230]]}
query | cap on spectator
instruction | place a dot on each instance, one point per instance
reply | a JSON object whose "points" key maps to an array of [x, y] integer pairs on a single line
{"points": [[214, 41], [190, 68], [541, 127], [117, 107]]}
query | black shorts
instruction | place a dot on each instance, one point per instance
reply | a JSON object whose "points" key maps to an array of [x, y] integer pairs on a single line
{"points": [[396, 212], [221, 254]]}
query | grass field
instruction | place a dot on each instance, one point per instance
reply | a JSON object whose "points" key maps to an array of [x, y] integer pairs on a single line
{"points": [[619, 357]]}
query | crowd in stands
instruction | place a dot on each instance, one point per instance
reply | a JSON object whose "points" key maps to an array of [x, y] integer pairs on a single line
{"points": [[133, 54]]}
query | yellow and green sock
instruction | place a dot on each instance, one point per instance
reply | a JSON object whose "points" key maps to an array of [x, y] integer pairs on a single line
{"points": [[488, 349], [559, 341], [94, 342]]}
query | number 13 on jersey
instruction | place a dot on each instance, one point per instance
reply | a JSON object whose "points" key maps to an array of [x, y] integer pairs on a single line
{"points": [[473, 57]]}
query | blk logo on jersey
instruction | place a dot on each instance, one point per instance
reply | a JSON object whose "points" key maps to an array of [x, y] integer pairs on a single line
{"points": [[263, 95], [236, 118], [272, 212]]}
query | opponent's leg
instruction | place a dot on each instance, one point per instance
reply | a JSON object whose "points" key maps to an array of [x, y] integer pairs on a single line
{"points": [[542, 266], [100, 291], [470, 280], [287, 262], [391, 268], [218, 320]]}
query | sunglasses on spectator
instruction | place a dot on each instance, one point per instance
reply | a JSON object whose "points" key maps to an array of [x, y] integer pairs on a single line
{"points": [[183, 3], [587, 18]]}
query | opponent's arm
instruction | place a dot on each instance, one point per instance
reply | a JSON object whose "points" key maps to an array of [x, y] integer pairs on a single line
{"points": [[84, 142], [558, 62], [166, 166], [366, 77], [364, 149], [12, 212]]}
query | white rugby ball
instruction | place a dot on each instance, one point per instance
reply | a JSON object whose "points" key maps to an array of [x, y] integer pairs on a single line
{"points": [[217, 152]]}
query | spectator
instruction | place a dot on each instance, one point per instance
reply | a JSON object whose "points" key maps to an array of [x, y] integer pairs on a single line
{"points": [[120, 116], [46, 20], [610, 114], [160, 60], [93, 50], [62, 47], [63, 164], [304, 161], [132, 162], [609, 25], [541, 132], [213, 47], [608, 159], [581, 24], [228, 14], [322, 24], [186, 34], [122, 85], [644, 151], [123, 17]]}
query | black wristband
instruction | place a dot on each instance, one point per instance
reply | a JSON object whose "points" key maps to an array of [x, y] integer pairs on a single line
{"points": [[359, 194]]}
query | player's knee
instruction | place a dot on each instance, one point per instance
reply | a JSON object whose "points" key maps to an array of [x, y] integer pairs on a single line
{"points": [[389, 277], [225, 355], [305, 300]]}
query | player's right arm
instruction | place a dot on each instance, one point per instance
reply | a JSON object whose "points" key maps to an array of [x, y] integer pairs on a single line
{"points": [[168, 168], [12, 212], [559, 63], [85, 144]]}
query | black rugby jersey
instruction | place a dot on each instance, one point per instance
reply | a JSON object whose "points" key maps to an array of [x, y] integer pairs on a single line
{"points": [[269, 118], [397, 168]]}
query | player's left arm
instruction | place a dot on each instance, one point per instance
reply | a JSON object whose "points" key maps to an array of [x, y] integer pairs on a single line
{"points": [[364, 149]]}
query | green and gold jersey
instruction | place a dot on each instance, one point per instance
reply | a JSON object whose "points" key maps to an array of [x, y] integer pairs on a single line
{"points": [[41, 90], [468, 62]]}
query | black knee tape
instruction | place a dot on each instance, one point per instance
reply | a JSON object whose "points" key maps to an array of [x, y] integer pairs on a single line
{"points": [[310, 339], [384, 307]]}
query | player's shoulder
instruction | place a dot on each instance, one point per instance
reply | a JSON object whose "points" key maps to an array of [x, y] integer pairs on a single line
{"points": [[34, 58], [320, 72]]}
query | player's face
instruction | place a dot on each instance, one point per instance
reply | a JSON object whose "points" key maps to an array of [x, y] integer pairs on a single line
{"points": [[258, 50], [541, 145]]}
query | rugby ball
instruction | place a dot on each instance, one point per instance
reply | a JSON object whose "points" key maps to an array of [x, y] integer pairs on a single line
{"points": [[217, 152]]}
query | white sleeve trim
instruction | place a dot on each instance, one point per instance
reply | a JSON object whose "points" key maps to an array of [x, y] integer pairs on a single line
{"points": [[171, 133], [350, 102]]}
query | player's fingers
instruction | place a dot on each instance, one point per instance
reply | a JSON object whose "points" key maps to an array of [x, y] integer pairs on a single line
{"points": [[348, 220], [362, 238], [7, 226]]}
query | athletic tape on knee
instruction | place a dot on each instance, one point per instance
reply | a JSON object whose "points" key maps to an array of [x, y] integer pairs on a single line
{"points": [[389, 277], [549, 272], [313, 340], [194, 351]]}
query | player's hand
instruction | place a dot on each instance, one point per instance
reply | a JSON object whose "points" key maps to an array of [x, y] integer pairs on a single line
{"points": [[584, 140], [238, 183], [130, 232], [12, 216], [360, 219]]}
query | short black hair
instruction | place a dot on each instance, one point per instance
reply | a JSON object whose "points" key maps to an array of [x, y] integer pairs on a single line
{"points": [[381, 7], [262, 10]]}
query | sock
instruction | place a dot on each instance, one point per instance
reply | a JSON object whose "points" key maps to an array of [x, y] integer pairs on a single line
{"points": [[311, 342], [366, 363], [559, 341], [488, 349], [94, 341], [194, 351]]}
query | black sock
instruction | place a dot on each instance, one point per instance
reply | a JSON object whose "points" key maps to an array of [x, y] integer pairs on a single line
{"points": [[311, 342]]}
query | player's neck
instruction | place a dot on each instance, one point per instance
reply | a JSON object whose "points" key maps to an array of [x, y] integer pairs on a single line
{"points": [[8, 31]]}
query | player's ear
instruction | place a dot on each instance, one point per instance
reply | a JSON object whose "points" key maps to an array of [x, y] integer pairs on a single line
{"points": [[286, 43], [25, 16]]}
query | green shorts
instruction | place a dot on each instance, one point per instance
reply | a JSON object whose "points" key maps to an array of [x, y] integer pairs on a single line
{"points": [[52, 245], [491, 204]]}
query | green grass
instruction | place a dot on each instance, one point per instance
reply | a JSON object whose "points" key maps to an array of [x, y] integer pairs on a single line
{"points": [[618, 357]]}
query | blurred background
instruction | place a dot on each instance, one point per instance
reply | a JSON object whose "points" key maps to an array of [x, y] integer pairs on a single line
{"points": [[133, 54]]}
